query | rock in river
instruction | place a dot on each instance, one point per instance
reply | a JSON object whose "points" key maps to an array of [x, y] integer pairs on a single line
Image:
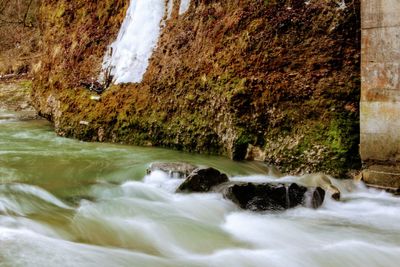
{"points": [[254, 196], [266, 196], [202, 180]]}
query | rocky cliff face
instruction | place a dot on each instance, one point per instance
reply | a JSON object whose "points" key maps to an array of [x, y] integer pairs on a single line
{"points": [[270, 80]]}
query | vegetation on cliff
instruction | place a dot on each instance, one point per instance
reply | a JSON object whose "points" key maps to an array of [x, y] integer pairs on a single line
{"points": [[19, 36], [272, 80]]}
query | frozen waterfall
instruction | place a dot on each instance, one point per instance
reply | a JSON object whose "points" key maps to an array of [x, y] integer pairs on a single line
{"points": [[128, 57]]}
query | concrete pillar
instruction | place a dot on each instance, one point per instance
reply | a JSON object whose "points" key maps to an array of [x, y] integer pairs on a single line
{"points": [[380, 91]]}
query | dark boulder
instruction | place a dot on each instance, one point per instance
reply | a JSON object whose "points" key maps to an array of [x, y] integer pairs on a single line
{"points": [[296, 194], [251, 196], [262, 197], [202, 180], [318, 196], [173, 169]]}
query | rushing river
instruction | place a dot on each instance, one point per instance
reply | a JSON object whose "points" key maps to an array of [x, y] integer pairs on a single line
{"points": [[70, 203]]}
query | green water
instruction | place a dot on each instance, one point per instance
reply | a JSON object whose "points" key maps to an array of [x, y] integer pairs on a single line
{"points": [[32, 153], [69, 203]]}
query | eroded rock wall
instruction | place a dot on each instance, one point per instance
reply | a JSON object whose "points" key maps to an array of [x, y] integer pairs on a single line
{"points": [[271, 80]]}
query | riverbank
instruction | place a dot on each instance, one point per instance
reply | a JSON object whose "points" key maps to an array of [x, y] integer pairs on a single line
{"points": [[15, 93]]}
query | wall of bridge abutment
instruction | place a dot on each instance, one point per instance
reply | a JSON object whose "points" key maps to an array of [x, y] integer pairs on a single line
{"points": [[380, 92]]}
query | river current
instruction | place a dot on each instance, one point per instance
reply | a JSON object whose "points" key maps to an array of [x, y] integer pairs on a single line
{"points": [[69, 203]]}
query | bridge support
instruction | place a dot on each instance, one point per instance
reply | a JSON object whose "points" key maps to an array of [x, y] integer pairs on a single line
{"points": [[380, 92]]}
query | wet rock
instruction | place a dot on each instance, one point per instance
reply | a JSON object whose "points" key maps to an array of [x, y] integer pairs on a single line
{"points": [[320, 180], [296, 194], [100, 134], [336, 195], [255, 153], [269, 196], [173, 169], [202, 180], [93, 85], [275, 197], [318, 196]]}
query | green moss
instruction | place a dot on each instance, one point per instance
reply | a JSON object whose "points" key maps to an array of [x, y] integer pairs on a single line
{"points": [[26, 84], [59, 12], [240, 145]]}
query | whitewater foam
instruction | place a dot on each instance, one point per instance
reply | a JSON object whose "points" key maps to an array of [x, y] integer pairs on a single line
{"points": [[87, 204]]}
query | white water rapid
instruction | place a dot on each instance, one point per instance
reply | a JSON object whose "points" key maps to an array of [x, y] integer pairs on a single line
{"points": [[128, 57], [143, 223], [69, 203]]}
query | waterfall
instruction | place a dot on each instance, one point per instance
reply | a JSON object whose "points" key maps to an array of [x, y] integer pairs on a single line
{"points": [[128, 57]]}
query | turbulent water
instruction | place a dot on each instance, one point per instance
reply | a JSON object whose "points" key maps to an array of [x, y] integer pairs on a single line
{"points": [[70, 203]]}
